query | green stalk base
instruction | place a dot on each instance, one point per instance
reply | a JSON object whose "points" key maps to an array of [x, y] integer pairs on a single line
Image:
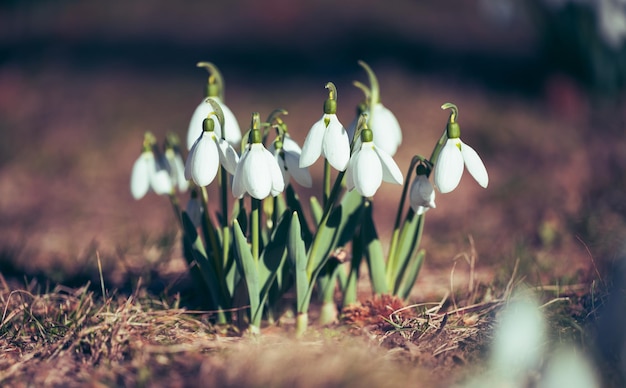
{"points": [[328, 314], [302, 323]]}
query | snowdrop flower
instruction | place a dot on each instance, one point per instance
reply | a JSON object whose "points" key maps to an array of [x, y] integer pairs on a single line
{"points": [[369, 166], [422, 194], [387, 132], [327, 137], [455, 154], [287, 152], [194, 209], [258, 172], [149, 172], [519, 339], [175, 162], [214, 91], [206, 155], [384, 124]]}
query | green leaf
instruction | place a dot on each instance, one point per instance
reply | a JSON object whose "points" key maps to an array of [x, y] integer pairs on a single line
{"points": [[273, 257], [293, 201], [197, 258], [298, 257], [409, 241], [316, 210], [374, 252], [250, 272], [337, 230], [410, 275]]}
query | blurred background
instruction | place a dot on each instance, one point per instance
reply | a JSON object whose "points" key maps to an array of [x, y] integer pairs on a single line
{"points": [[539, 85]]}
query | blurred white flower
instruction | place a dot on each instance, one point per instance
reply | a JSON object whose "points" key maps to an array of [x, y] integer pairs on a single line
{"points": [[368, 167], [149, 174], [519, 340], [206, 154], [449, 165], [327, 137], [257, 173], [422, 194], [288, 157], [232, 130], [386, 129], [176, 168], [194, 209]]}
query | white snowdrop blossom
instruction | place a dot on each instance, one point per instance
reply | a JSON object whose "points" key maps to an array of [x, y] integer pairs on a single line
{"points": [[176, 168], [232, 130], [449, 166], [422, 195], [386, 129], [206, 155], [149, 174], [194, 209], [327, 137], [368, 167], [257, 173], [288, 157]]}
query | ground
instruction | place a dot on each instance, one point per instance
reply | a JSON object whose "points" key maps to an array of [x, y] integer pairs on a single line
{"points": [[77, 94]]}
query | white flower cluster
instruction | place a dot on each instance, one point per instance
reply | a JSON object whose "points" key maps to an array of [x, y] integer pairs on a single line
{"points": [[366, 160]]}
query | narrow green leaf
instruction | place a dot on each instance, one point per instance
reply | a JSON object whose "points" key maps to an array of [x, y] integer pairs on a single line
{"points": [[408, 244], [298, 257], [249, 271], [293, 202], [316, 210], [374, 252], [273, 257], [410, 275], [197, 257]]}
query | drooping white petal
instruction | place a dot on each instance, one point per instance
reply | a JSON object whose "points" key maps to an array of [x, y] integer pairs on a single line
{"points": [[422, 195], [228, 155], [367, 171], [474, 165], [278, 183], [290, 145], [205, 160], [140, 175], [232, 130], [292, 166], [336, 145], [449, 167], [195, 124], [312, 148], [239, 188], [178, 172], [386, 129], [257, 177], [349, 176], [391, 171], [160, 181]]}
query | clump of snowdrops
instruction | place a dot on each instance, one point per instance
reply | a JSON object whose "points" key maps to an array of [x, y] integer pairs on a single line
{"points": [[260, 245]]}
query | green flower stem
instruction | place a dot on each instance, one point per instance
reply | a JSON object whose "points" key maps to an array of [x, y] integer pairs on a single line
{"points": [[328, 207], [396, 227], [254, 227], [374, 87], [225, 215], [215, 250], [211, 232], [326, 182], [215, 85]]}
